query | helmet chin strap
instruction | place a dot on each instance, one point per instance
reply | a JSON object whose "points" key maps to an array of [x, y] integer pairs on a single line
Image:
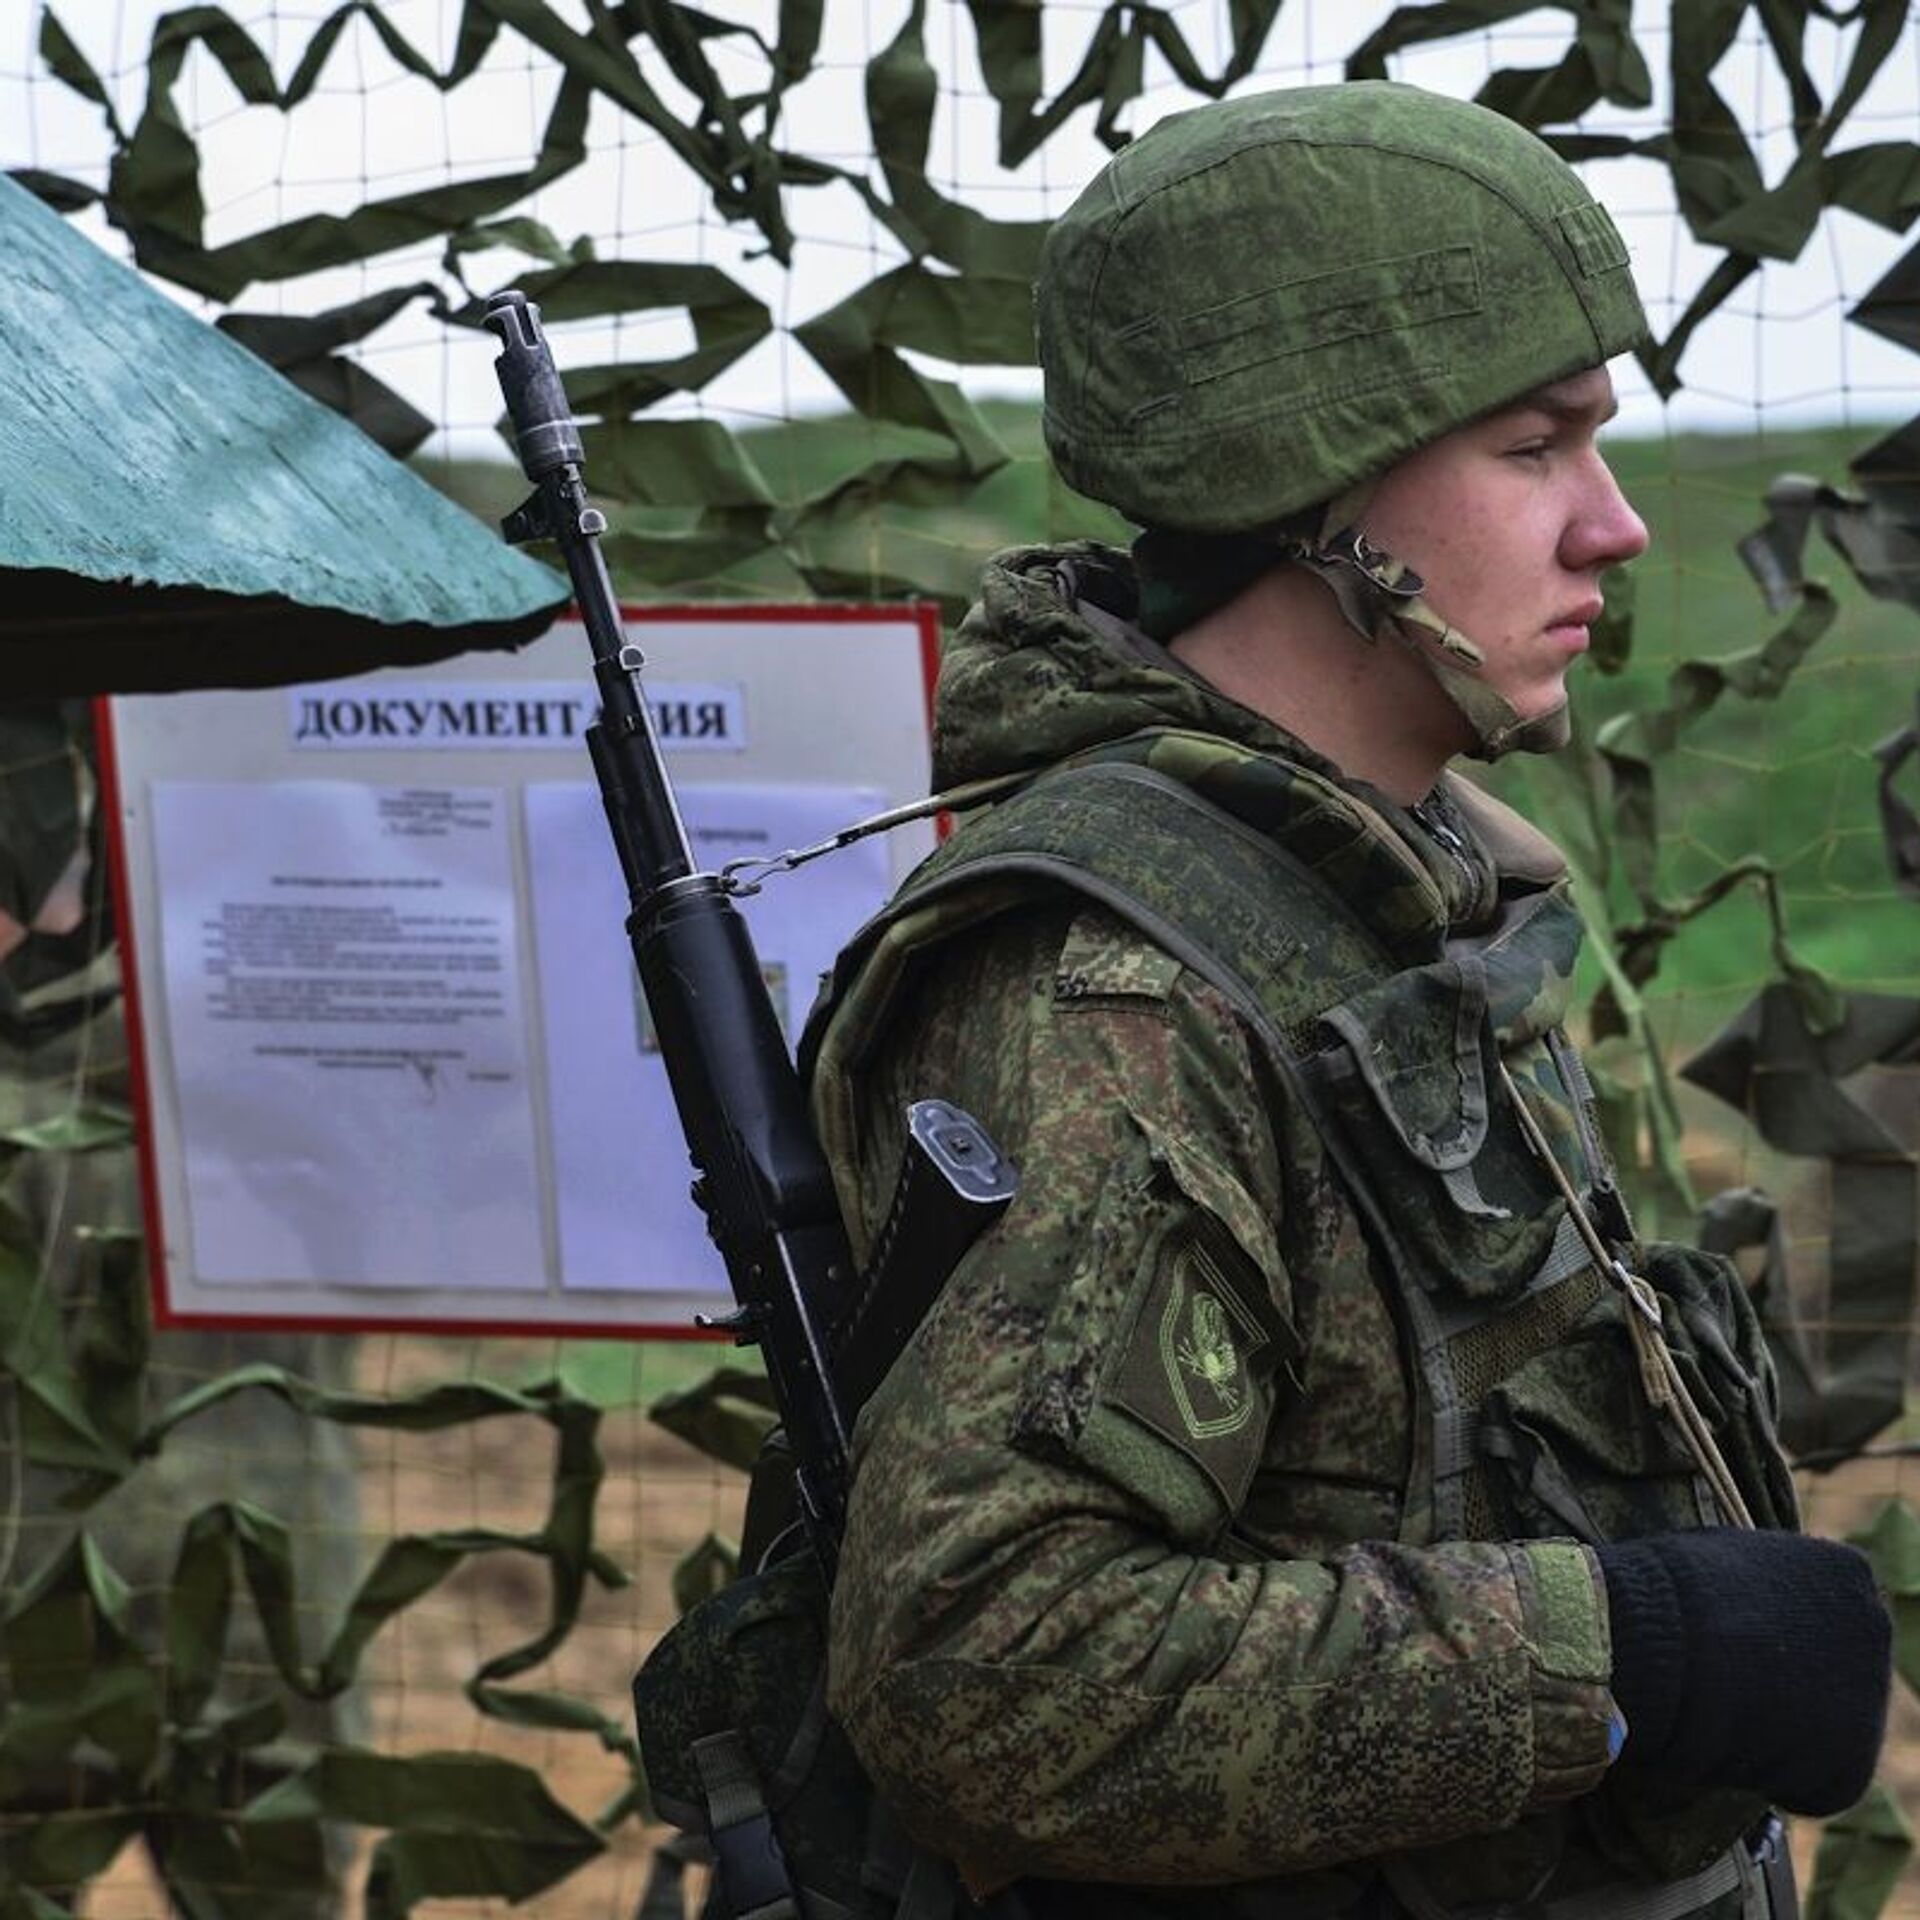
{"points": [[1384, 599]]}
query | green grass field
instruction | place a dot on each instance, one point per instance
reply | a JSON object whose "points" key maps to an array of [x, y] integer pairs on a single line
{"points": [[1793, 780]]}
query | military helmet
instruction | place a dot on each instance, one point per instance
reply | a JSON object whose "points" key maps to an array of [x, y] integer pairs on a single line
{"points": [[1265, 301]]}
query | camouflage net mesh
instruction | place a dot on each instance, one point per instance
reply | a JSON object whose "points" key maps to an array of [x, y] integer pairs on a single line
{"points": [[360, 1614]]}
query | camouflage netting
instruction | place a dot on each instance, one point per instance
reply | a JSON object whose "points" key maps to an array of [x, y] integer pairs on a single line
{"points": [[222, 1729]]}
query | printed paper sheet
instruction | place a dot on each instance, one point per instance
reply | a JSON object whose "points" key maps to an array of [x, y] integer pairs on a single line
{"points": [[343, 984], [621, 1168]]}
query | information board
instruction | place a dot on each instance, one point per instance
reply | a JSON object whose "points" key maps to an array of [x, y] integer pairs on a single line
{"points": [[394, 1067]]}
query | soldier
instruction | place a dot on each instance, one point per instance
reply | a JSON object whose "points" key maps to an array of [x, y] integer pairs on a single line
{"points": [[1311, 1499]]}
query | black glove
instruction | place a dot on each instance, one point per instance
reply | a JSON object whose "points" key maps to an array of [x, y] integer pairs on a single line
{"points": [[1755, 1660]]}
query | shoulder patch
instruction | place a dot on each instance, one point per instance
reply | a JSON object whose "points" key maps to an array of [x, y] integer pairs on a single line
{"points": [[1104, 959], [1207, 1338], [1197, 1370]]}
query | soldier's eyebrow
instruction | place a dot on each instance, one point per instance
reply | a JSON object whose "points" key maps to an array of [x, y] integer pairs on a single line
{"points": [[1568, 408]]}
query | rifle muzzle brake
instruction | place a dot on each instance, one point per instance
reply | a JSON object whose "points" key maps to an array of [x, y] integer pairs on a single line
{"points": [[543, 429]]}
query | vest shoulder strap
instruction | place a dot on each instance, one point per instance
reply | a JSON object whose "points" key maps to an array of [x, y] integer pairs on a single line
{"points": [[1220, 896], [1227, 901]]}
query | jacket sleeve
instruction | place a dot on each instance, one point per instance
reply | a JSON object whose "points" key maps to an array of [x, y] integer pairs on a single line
{"points": [[1048, 1646]]}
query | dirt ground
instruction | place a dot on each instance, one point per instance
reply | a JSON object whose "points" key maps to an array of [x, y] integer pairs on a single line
{"points": [[659, 1499]]}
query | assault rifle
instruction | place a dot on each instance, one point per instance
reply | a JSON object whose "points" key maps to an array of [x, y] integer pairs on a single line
{"points": [[762, 1181]]}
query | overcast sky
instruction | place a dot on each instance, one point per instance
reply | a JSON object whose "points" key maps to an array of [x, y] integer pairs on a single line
{"points": [[1780, 353]]}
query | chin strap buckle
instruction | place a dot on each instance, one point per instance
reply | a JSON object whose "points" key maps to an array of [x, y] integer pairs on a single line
{"points": [[1351, 547]]}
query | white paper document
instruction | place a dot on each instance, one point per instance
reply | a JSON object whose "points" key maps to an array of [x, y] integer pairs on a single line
{"points": [[620, 1161], [348, 1034]]}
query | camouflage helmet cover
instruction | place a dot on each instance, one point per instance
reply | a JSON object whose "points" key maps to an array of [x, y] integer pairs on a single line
{"points": [[1265, 301]]}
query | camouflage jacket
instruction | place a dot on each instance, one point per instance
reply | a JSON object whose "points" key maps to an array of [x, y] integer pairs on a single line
{"points": [[1140, 1582]]}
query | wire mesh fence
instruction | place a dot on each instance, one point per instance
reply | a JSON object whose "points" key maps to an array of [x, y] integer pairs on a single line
{"points": [[786, 255]]}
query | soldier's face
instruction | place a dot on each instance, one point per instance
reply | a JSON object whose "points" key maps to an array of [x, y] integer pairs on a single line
{"points": [[1511, 521]]}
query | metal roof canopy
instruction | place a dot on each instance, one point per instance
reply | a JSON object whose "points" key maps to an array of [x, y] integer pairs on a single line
{"points": [[174, 513]]}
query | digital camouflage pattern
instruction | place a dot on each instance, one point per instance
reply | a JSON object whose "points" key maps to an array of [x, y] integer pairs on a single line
{"points": [[1155, 1571], [751, 1659], [1262, 302]]}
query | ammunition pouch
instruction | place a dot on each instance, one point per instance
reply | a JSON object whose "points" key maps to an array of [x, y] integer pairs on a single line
{"points": [[739, 1748]]}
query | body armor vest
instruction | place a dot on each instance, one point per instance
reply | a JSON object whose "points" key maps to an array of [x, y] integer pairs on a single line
{"points": [[1528, 1419]]}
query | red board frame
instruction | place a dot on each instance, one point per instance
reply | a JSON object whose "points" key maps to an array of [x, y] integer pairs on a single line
{"points": [[925, 615]]}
